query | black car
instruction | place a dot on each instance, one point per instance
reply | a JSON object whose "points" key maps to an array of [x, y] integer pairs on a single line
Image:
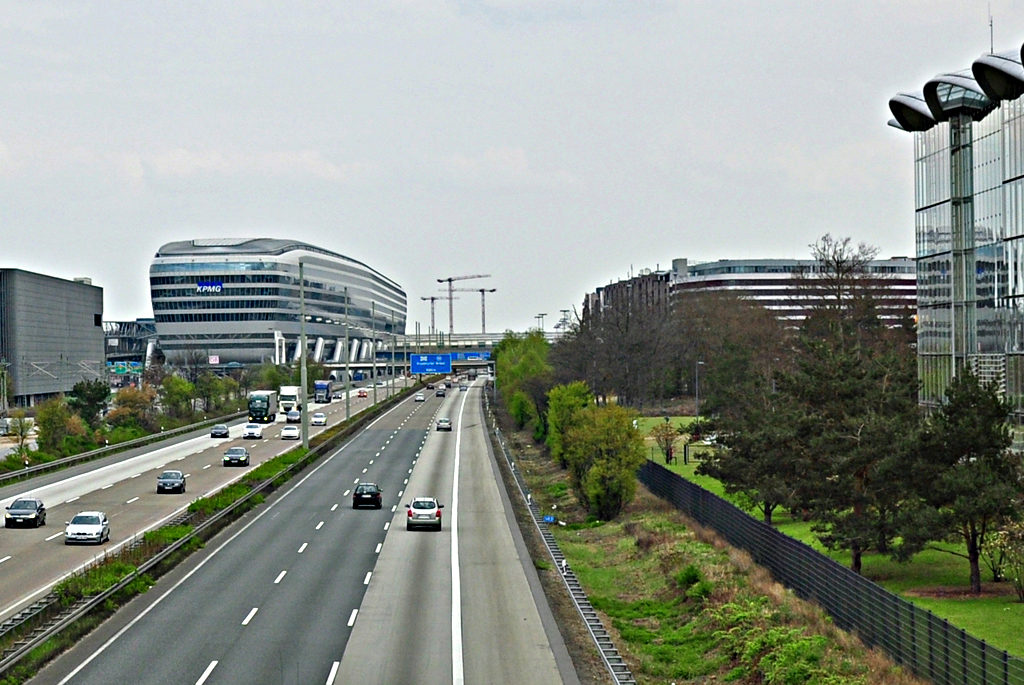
{"points": [[170, 481], [430, 386], [219, 431], [439, 392], [294, 416], [367, 494], [27, 511], [236, 455]]}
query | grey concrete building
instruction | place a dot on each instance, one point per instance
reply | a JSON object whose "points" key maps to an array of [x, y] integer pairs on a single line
{"points": [[51, 334]]}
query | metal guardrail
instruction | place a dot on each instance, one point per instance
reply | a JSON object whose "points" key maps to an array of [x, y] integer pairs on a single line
{"points": [[613, 661], [56, 464], [83, 607]]}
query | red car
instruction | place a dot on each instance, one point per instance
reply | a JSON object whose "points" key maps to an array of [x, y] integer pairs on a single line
{"points": [[362, 393]]}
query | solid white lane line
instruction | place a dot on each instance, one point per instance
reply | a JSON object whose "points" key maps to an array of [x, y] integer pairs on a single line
{"points": [[206, 673], [334, 507], [458, 672], [279, 577], [107, 486], [379, 546], [55, 535], [70, 500], [366, 580], [5, 559], [387, 525], [133, 499], [352, 618], [320, 525], [248, 618], [302, 549], [334, 673]]}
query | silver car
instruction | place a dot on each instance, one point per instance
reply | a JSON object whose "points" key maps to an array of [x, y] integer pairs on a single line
{"points": [[424, 512], [87, 526]]}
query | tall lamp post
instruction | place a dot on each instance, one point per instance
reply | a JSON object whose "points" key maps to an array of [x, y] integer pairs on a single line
{"points": [[697, 394], [373, 349], [302, 349], [348, 355]]}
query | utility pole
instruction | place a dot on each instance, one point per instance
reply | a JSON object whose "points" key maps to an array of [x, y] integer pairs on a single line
{"points": [[373, 349], [302, 363], [449, 280], [483, 304], [348, 355], [540, 317]]}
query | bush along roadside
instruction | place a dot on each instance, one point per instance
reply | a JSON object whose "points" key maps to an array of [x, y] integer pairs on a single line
{"points": [[683, 606], [113, 568]]}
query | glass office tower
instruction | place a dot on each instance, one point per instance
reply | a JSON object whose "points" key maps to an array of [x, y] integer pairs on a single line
{"points": [[969, 222]]}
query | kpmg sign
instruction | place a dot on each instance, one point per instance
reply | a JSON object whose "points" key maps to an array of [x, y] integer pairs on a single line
{"points": [[209, 287]]}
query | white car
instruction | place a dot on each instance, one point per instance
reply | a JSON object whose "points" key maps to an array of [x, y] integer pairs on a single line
{"points": [[252, 430], [87, 526], [419, 397], [290, 433], [319, 419]]}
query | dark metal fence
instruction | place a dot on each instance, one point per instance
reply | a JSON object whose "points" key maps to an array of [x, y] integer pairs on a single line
{"points": [[915, 638]]}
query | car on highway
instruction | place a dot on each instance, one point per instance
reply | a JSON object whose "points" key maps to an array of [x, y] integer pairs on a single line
{"points": [[362, 393], [236, 455], [318, 419], [420, 397], [444, 424], [463, 387], [440, 391], [252, 430], [294, 416], [367, 494], [219, 431], [381, 384], [336, 395], [170, 481], [425, 512], [87, 526], [430, 386], [25, 511], [290, 433]]}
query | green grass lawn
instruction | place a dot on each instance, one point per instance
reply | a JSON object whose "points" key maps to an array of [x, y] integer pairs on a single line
{"points": [[999, 620]]}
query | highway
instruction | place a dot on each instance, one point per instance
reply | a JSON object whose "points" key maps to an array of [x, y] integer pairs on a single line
{"points": [[32, 560], [277, 597]]}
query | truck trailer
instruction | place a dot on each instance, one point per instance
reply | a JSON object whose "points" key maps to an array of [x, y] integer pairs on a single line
{"points": [[289, 398], [263, 406], [321, 392]]}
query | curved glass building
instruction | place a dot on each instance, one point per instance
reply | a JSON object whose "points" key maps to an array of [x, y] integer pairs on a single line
{"points": [[968, 129], [238, 300]]}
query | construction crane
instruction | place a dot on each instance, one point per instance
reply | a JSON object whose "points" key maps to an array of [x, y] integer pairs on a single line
{"points": [[434, 299], [451, 317], [483, 307]]}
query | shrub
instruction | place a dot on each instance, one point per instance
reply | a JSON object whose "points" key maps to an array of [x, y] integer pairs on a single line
{"points": [[690, 575]]}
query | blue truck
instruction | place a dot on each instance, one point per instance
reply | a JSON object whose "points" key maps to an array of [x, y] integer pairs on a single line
{"points": [[321, 392]]}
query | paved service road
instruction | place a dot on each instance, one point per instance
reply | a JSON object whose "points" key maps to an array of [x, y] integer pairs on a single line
{"points": [[32, 560]]}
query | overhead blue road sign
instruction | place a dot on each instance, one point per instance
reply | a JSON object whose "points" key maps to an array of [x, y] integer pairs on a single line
{"points": [[470, 356], [431, 363]]}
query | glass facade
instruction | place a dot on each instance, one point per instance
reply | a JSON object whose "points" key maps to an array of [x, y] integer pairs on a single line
{"points": [[969, 222], [233, 303]]}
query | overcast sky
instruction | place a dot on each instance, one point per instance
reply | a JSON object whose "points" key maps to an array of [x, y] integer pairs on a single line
{"points": [[551, 144]]}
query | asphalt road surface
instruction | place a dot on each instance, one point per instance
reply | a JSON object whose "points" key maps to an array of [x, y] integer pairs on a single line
{"points": [[304, 580], [32, 560]]}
